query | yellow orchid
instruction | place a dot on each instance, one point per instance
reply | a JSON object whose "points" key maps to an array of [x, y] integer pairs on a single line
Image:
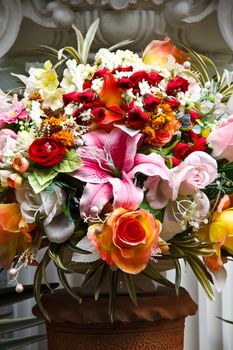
{"points": [[221, 232], [14, 236]]}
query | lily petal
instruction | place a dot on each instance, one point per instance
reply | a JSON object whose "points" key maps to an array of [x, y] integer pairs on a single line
{"points": [[150, 165], [94, 195], [126, 194], [122, 148], [110, 93]]}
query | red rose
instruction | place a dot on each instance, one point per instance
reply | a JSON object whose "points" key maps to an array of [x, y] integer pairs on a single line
{"points": [[123, 69], [136, 118], [46, 151], [177, 84], [182, 150]]}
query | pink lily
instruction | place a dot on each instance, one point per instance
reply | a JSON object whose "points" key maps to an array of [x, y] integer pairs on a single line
{"points": [[110, 162]]}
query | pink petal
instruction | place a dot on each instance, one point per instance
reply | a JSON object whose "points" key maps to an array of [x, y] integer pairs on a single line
{"points": [[157, 196], [95, 138], [94, 168], [150, 165], [94, 195], [122, 148], [125, 194]]}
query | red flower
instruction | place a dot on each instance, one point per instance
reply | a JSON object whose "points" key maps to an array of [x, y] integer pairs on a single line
{"points": [[123, 69], [99, 114], [153, 78], [172, 102], [125, 83], [175, 85], [46, 151], [200, 145], [151, 102], [136, 118], [193, 115], [80, 97], [137, 77], [182, 150]]}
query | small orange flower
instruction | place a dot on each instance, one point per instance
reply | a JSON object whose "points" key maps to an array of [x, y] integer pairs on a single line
{"points": [[65, 137], [161, 126], [54, 124], [127, 239]]}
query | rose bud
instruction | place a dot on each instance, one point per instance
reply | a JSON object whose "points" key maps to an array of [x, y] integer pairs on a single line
{"points": [[15, 180], [20, 164]]}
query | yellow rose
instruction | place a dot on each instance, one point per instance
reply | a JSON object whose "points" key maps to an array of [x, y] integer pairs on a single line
{"points": [[127, 239]]}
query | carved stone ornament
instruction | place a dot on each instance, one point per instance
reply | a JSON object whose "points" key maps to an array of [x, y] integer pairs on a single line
{"points": [[26, 24], [137, 19]]}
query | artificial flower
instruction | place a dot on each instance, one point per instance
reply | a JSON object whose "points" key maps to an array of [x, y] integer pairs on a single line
{"points": [[13, 239], [127, 239], [46, 151], [110, 161], [220, 231], [157, 52], [221, 140]]}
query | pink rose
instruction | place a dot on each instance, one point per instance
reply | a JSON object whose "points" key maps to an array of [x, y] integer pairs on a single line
{"points": [[221, 140], [7, 143], [196, 172]]}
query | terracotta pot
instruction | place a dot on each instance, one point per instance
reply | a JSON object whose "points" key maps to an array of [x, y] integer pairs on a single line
{"points": [[157, 323]]}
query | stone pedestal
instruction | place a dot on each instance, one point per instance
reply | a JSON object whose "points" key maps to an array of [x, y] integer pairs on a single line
{"points": [[157, 323]]}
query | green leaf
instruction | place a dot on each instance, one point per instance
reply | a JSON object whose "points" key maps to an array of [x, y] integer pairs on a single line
{"points": [[146, 206], [89, 40], [131, 287], [37, 283], [91, 272], [12, 325], [70, 162], [113, 293], [223, 319], [17, 343], [120, 44], [67, 287], [202, 274], [102, 278], [37, 188], [79, 38], [45, 175], [156, 276]]}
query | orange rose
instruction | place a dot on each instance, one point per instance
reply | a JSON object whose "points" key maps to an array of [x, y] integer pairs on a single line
{"points": [[157, 52], [127, 239]]}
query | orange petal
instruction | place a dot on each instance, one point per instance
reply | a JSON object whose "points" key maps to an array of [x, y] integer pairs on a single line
{"points": [[10, 217], [157, 52], [112, 114], [110, 93]]}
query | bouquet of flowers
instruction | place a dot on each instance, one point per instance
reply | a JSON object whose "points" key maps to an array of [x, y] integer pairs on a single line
{"points": [[117, 165]]}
